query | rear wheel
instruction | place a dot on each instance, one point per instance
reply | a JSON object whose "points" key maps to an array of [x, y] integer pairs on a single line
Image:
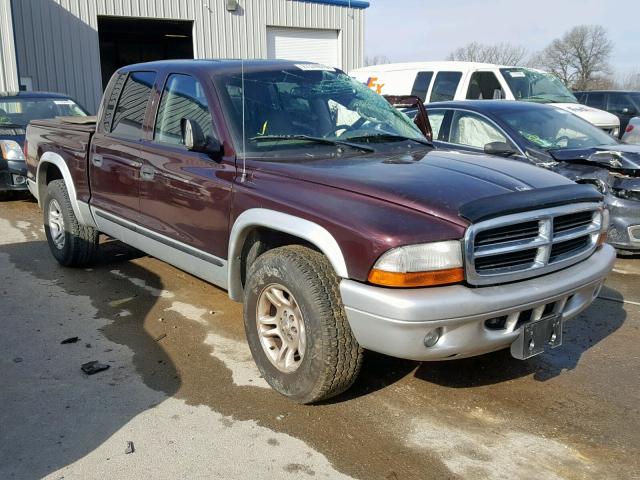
{"points": [[72, 244], [296, 326]]}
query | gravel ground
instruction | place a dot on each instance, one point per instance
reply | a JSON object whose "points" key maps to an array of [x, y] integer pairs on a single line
{"points": [[183, 389]]}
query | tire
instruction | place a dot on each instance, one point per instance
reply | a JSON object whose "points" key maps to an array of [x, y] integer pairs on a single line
{"points": [[332, 357], [72, 244]]}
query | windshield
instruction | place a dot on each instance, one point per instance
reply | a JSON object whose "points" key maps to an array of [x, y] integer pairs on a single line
{"points": [[20, 111], [552, 128], [536, 86], [308, 100]]}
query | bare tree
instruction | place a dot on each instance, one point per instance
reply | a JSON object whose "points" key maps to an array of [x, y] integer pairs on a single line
{"points": [[376, 60], [500, 53], [580, 58], [631, 81]]}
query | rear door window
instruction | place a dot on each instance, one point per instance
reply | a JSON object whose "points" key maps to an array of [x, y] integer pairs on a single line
{"points": [[596, 100], [484, 86], [445, 86], [421, 85], [182, 97], [436, 118], [473, 130], [132, 105]]}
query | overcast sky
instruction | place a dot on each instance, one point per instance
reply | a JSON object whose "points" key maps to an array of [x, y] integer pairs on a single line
{"points": [[412, 30]]}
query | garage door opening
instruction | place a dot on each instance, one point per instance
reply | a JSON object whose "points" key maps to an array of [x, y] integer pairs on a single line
{"points": [[127, 40], [307, 44]]}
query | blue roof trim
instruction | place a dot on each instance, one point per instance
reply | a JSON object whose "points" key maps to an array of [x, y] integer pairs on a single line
{"points": [[341, 3]]}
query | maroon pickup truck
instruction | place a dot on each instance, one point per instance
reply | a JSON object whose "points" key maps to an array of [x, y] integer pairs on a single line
{"points": [[326, 211]]}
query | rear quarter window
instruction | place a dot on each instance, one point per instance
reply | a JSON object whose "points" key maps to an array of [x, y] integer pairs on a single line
{"points": [[110, 103], [132, 105], [445, 86], [421, 85]]}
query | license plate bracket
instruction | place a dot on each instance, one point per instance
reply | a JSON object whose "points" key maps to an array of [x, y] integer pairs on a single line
{"points": [[534, 337]]}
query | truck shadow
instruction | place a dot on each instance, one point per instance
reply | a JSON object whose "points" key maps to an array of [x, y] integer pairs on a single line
{"points": [[580, 334], [51, 413]]}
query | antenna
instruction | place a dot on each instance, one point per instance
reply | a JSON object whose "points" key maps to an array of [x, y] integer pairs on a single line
{"points": [[243, 175]]}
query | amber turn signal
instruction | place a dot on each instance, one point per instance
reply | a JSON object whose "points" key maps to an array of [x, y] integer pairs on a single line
{"points": [[416, 279]]}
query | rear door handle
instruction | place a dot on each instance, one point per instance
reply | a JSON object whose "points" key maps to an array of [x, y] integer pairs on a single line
{"points": [[97, 160], [147, 172]]}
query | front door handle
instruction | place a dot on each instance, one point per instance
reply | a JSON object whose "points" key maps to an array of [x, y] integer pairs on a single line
{"points": [[97, 160], [147, 172]]}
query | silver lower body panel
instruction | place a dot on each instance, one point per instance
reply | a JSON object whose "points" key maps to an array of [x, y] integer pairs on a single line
{"points": [[396, 321]]}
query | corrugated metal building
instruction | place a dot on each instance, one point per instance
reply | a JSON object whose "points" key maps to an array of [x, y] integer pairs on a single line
{"points": [[73, 46]]}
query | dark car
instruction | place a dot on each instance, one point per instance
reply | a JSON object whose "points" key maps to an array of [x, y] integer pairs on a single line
{"points": [[623, 104], [16, 111], [554, 139]]}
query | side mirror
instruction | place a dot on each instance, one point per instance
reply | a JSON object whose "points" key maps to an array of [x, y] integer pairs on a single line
{"points": [[501, 149], [192, 136]]}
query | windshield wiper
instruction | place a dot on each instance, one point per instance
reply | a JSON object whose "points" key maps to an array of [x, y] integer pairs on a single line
{"points": [[390, 136], [326, 141]]}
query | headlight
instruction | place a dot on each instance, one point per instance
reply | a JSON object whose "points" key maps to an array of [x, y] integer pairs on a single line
{"points": [[11, 150], [626, 194], [423, 265]]}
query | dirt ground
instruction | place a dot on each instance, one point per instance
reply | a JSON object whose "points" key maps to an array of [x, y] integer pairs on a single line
{"points": [[183, 388]]}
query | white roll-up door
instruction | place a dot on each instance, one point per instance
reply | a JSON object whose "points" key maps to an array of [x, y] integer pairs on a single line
{"points": [[307, 44]]}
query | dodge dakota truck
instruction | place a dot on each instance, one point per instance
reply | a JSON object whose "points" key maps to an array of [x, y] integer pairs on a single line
{"points": [[324, 210]]}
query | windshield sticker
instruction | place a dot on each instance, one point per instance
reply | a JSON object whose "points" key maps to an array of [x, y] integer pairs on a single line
{"points": [[517, 74], [63, 102], [315, 67]]}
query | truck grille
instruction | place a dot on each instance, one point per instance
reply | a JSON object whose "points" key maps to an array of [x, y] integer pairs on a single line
{"points": [[529, 244]]}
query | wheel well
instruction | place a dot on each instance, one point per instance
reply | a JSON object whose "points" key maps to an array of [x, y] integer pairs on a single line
{"points": [[260, 240], [48, 173]]}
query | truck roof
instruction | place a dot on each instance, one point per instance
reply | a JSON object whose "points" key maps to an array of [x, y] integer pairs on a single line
{"points": [[213, 65], [441, 65]]}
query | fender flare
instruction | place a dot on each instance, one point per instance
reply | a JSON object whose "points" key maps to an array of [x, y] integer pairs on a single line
{"points": [[82, 214], [283, 222]]}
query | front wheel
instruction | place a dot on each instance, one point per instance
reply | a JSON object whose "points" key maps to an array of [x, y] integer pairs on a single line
{"points": [[72, 244], [296, 327]]}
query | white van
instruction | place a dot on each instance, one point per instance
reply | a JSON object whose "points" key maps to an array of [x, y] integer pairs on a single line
{"points": [[443, 81]]}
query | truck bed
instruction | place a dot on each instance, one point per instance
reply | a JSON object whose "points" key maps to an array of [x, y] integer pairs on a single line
{"points": [[65, 137], [81, 124]]}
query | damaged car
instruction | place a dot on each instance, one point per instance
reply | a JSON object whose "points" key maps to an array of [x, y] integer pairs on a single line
{"points": [[554, 139]]}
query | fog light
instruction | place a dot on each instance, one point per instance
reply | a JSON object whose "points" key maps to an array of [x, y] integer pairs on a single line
{"points": [[18, 180], [431, 338]]}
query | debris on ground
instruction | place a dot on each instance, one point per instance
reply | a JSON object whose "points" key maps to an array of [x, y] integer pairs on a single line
{"points": [[88, 345], [93, 367], [69, 340], [130, 448], [17, 360], [160, 337]]}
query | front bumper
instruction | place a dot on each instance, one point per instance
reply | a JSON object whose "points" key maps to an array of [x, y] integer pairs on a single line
{"points": [[13, 175], [396, 321]]}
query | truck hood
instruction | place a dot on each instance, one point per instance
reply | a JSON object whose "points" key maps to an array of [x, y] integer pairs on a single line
{"points": [[599, 118], [621, 158], [436, 182]]}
